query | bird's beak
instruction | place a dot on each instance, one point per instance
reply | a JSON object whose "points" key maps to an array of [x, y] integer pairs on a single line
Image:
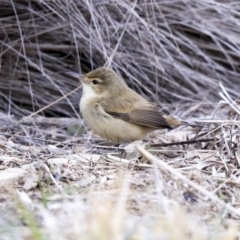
{"points": [[79, 76], [75, 75]]}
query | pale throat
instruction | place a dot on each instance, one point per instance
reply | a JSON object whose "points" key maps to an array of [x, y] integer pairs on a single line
{"points": [[88, 95]]}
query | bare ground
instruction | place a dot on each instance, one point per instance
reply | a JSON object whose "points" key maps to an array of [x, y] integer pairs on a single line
{"points": [[60, 183]]}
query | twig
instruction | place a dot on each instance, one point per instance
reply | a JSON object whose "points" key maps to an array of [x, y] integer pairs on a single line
{"points": [[182, 143], [49, 105], [228, 99], [51, 120], [200, 189], [232, 122]]}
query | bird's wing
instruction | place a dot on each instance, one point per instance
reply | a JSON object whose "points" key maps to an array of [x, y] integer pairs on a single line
{"points": [[152, 119], [138, 111]]}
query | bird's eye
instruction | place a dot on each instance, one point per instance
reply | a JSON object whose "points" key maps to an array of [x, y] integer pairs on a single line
{"points": [[95, 82]]}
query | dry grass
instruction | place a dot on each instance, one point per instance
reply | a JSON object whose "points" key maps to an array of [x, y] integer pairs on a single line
{"points": [[172, 49], [57, 183]]}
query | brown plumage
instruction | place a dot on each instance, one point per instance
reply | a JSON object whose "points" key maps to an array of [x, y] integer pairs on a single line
{"points": [[115, 112]]}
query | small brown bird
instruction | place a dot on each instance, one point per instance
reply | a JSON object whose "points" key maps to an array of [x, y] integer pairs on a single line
{"points": [[115, 112]]}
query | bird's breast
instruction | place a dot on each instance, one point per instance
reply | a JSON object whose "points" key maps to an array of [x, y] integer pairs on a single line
{"points": [[95, 117], [108, 127]]}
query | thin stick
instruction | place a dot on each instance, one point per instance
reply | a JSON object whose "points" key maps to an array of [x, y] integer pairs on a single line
{"points": [[234, 122], [228, 99], [49, 105], [200, 189], [183, 142]]}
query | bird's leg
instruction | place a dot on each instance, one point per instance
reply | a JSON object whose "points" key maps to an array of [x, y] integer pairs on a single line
{"points": [[121, 150]]}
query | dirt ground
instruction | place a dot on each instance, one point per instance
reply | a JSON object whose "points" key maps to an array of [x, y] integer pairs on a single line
{"points": [[58, 181]]}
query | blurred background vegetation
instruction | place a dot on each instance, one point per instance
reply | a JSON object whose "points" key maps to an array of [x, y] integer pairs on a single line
{"points": [[169, 51]]}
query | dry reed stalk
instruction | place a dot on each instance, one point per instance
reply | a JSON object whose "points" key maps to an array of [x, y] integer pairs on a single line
{"points": [[168, 51]]}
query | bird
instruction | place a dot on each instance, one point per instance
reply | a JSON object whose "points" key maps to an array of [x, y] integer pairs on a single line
{"points": [[117, 113]]}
